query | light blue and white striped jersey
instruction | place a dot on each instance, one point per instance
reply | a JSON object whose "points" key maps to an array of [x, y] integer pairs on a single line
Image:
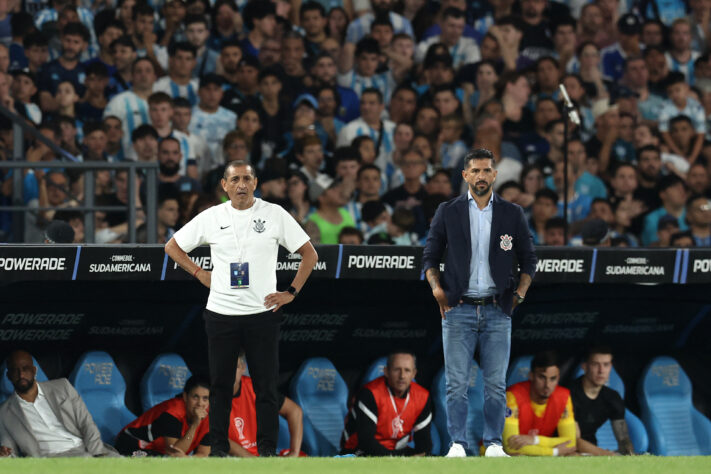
{"points": [[587, 127], [649, 108], [117, 157], [358, 127], [355, 209], [693, 109], [573, 66], [185, 149], [451, 154], [578, 207], [188, 91], [687, 69], [466, 51], [482, 25], [133, 112], [161, 53], [669, 10], [86, 17], [328, 4], [206, 63], [698, 36], [384, 82], [202, 153], [360, 27], [213, 127], [240, 3], [33, 113]]}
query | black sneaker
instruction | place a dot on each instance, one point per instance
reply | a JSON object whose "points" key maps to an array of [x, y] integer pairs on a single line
{"points": [[219, 454]]}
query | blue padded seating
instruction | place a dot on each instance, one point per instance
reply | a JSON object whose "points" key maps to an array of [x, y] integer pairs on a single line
{"points": [[103, 389], [320, 391], [164, 379], [675, 426]]}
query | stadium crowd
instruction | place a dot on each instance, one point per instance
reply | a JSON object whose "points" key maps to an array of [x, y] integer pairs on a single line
{"points": [[356, 113], [391, 415]]}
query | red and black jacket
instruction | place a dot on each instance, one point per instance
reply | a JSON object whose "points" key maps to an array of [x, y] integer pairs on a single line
{"points": [[372, 427]]}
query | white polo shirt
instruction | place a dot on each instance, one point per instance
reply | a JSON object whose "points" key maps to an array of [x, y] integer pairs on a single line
{"points": [[259, 230]]}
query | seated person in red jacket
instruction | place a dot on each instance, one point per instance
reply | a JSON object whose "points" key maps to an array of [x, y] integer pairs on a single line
{"points": [[176, 427], [539, 412], [389, 412], [243, 417]]}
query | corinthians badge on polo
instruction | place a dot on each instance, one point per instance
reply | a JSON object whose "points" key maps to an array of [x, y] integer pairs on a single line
{"points": [[506, 242], [259, 226]]}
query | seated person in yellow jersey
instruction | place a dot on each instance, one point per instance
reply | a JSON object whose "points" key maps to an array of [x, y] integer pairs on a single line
{"points": [[539, 413]]}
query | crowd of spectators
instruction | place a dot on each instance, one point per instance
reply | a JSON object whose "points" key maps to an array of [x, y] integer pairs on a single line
{"points": [[356, 114]]}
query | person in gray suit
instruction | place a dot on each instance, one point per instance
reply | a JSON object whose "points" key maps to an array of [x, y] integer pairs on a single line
{"points": [[47, 419]]}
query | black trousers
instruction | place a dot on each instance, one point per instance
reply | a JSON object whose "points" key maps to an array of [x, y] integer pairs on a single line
{"points": [[258, 335]]}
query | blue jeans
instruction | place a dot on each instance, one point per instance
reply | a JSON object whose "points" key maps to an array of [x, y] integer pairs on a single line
{"points": [[464, 327]]}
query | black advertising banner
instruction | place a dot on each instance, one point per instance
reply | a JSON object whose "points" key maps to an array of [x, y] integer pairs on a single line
{"points": [[380, 262], [562, 264], [150, 263], [288, 263], [33, 263], [201, 256], [696, 266], [636, 266], [120, 263]]}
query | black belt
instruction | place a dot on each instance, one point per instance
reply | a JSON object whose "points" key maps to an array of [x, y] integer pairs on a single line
{"points": [[479, 301]]}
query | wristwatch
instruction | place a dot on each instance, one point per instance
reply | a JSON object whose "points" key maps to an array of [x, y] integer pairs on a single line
{"points": [[293, 291], [519, 298]]}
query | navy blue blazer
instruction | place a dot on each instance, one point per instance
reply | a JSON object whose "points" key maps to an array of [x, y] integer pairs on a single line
{"points": [[450, 231]]}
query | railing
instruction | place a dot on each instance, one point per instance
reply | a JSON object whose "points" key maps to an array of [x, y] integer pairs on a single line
{"points": [[18, 207]]}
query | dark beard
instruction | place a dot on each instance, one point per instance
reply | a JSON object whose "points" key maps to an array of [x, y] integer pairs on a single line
{"points": [[22, 389], [482, 192], [380, 10], [647, 177], [169, 169]]}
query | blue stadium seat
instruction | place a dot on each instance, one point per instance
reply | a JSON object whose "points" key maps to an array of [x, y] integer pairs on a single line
{"points": [[164, 379], [518, 370], [638, 433], [675, 427], [375, 370], [284, 435], [322, 394], [475, 418], [6, 387], [103, 389]]}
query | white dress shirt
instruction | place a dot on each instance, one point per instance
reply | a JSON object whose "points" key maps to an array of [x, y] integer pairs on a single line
{"points": [[51, 435]]}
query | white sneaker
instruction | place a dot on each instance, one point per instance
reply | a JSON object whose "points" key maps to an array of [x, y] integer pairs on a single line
{"points": [[495, 451], [456, 451]]}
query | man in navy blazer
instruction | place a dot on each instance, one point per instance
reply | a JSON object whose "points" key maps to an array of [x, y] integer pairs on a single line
{"points": [[480, 233]]}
